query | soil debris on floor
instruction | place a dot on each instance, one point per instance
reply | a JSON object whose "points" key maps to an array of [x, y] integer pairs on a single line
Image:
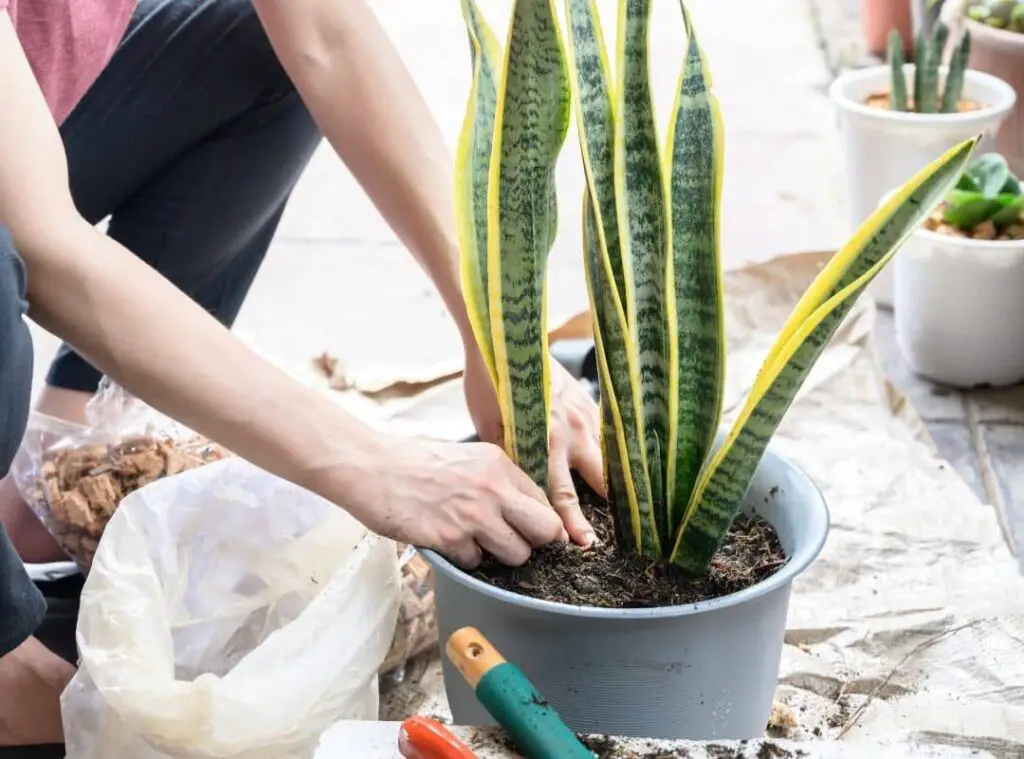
{"points": [[602, 576], [604, 747]]}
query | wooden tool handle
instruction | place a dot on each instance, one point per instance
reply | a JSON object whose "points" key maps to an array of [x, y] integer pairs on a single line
{"points": [[509, 697], [472, 654]]}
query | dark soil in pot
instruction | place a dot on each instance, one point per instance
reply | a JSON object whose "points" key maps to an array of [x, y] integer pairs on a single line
{"points": [[604, 576]]}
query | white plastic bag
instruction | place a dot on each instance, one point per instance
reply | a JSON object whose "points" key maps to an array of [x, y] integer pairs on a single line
{"points": [[228, 613]]}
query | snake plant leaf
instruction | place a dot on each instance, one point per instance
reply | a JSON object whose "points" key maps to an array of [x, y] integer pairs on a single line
{"points": [[629, 481], [590, 80], [695, 156], [958, 62], [531, 122], [472, 172], [726, 477], [896, 59], [927, 97], [640, 195]]}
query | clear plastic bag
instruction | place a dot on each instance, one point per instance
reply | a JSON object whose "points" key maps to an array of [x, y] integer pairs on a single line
{"points": [[416, 632], [228, 614], [74, 476]]}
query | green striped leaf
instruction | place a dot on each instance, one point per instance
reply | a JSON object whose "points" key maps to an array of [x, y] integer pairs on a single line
{"points": [[724, 482], [590, 80], [532, 118], [641, 213], [629, 483], [472, 172], [695, 310]]}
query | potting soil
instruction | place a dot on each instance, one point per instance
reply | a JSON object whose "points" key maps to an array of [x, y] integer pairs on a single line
{"points": [[606, 577]]}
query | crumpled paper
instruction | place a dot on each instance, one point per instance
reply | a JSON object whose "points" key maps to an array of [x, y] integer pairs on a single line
{"points": [[911, 624]]}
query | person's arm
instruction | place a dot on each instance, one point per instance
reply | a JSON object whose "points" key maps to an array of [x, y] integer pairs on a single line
{"points": [[138, 328], [363, 98], [361, 94]]}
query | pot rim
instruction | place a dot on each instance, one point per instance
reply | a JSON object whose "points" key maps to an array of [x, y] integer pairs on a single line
{"points": [[994, 246], [1004, 102], [1002, 37], [818, 518]]}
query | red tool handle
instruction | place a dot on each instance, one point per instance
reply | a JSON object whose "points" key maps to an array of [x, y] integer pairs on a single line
{"points": [[423, 738]]}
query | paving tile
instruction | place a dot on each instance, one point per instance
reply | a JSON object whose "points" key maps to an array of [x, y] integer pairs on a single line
{"points": [[1004, 444], [956, 446], [933, 402], [1005, 405]]}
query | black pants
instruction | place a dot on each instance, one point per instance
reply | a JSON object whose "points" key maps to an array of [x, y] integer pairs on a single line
{"points": [[191, 142]]}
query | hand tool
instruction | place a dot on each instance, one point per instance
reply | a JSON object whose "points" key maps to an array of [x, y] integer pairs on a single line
{"points": [[511, 699], [424, 738]]}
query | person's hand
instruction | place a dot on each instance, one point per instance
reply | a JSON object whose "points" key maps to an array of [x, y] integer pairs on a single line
{"points": [[575, 442], [459, 499]]}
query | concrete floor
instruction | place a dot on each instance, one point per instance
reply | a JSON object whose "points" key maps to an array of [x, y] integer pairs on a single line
{"points": [[337, 280]]}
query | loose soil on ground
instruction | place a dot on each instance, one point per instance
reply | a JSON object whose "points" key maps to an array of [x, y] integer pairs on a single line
{"points": [[604, 747], [605, 577], [609, 748]]}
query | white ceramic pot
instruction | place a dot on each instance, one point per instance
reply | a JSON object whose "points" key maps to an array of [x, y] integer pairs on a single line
{"points": [[882, 149], [959, 309]]}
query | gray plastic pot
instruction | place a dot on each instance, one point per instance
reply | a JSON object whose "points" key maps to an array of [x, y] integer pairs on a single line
{"points": [[701, 671]]}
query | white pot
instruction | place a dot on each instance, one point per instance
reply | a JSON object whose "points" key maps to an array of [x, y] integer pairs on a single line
{"points": [[883, 149], [959, 309]]}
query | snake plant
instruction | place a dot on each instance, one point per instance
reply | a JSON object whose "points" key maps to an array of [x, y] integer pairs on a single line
{"points": [[651, 219], [927, 58]]}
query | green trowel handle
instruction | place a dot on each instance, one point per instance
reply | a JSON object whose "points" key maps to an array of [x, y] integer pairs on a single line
{"points": [[535, 727]]}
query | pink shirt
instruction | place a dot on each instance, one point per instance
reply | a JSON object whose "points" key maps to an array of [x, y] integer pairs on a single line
{"points": [[68, 42]]}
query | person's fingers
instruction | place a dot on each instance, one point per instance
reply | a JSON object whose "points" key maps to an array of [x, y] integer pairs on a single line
{"points": [[567, 503], [466, 553], [525, 485], [537, 524], [586, 459], [504, 543]]}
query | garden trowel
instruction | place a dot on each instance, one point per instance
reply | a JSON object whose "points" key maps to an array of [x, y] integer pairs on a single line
{"points": [[511, 699]]}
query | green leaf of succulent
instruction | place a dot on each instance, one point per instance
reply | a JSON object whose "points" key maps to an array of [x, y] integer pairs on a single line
{"points": [[966, 209], [968, 183], [695, 309], [991, 173], [472, 175], [725, 479], [531, 122], [629, 482], [641, 212], [1012, 206]]}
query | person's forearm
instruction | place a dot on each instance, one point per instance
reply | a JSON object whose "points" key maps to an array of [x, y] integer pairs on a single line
{"points": [[359, 91], [143, 332], [137, 327]]}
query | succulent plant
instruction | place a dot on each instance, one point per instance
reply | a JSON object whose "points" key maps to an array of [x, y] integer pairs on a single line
{"points": [[927, 59], [1001, 14], [987, 191]]}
